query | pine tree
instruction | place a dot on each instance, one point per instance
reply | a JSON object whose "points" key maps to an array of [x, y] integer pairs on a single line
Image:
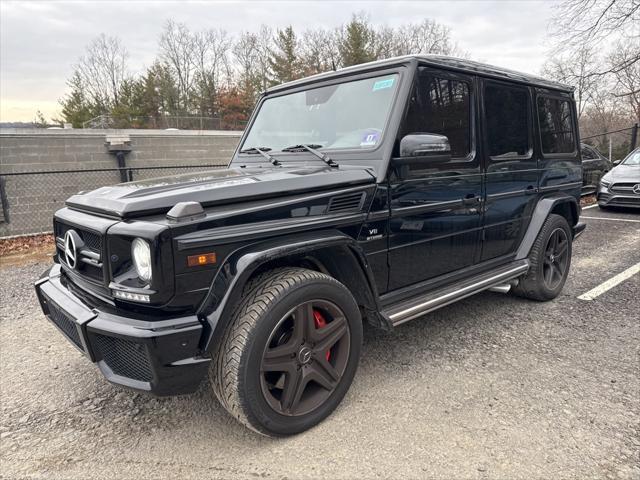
{"points": [[358, 42], [76, 109], [284, 61]]}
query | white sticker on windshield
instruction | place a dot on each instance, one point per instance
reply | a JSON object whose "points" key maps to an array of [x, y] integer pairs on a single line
{"points": [[370, 139]]}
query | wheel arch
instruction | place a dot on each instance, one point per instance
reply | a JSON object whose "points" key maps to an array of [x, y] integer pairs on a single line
{"points": [[330, 252], [557, 203]]}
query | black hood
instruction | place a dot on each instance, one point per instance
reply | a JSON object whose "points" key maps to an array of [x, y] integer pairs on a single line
{"points": [[213, 187]]}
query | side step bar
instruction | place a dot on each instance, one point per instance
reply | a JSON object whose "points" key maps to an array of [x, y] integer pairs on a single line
{"points": [[419, 305]]}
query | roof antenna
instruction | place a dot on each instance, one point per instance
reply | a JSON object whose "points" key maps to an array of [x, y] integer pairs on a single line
{"points": [[333, 64]]}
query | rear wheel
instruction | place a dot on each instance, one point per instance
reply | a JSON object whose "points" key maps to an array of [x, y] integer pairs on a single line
{"points": [[289, 353], [550, 259]]}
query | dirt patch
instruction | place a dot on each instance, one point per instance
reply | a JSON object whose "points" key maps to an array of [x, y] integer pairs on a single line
{"points": [[23, 250], [587, 200]]}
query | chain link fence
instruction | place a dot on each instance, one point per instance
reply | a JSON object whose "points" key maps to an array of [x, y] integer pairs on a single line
{"points": [[29, 199]]}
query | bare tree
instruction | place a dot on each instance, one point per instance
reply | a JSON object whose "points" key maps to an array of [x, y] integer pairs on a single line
{"points": [[211, 63], [178, 51], [103, 70], [626, 72], [577, 70], [319, 51], [592, 23]]}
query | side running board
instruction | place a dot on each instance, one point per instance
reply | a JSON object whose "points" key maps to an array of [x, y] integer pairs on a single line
{"points": [[417, 306]]}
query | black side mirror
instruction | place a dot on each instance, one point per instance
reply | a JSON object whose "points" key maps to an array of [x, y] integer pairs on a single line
{"points": [[424, 147]]}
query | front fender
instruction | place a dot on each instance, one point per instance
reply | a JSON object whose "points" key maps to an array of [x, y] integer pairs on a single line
{"points": [[238, 267]]}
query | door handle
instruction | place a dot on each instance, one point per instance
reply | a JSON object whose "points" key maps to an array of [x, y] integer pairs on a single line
{"points": [[530, 190], [470, 199]]}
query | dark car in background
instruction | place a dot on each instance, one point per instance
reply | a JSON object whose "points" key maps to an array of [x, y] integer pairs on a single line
{"points": [[621, 186], [594, 166]]}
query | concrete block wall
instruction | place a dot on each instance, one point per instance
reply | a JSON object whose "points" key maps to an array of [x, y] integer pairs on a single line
{"points": [[33, 198]]}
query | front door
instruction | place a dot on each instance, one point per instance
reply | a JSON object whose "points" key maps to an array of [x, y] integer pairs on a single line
{"points": [[436, 208]]}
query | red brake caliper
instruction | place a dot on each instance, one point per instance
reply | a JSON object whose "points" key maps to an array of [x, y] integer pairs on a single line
{"points": [[320, 322]]}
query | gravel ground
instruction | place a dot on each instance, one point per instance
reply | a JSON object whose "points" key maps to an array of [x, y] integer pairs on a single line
{"points": [[491, 387]]}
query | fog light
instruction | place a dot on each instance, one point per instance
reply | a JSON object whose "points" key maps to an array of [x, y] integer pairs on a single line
{"points": [[133, 297]]}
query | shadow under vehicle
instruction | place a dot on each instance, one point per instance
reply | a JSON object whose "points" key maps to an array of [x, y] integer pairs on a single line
{"points": [[376, 193]]}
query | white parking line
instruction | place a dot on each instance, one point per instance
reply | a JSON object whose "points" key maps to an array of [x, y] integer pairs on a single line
{"points": [[612, 282], [590, 206], [611, 219]]}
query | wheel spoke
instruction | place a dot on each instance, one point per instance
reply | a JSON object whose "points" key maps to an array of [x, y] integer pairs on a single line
{"points": [[548, 274], [557, 271], [329, 335], [562, 249], [280, 359], [323, 374], [294, 386], [305, 325]]}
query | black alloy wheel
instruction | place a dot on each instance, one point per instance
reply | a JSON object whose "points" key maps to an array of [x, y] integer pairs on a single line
{"points": [[305, 357], [289, 352], [549, 261], [555, 258]]}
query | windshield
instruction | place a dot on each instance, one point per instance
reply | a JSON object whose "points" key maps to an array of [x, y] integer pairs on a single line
{"points": [[346, 115], [633, 158]]}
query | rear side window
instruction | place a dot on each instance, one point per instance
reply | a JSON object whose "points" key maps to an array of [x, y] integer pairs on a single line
{"points": [[556, 125], [441, 105], [507, 119]]}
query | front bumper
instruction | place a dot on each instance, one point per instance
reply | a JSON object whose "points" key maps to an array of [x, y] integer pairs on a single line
{"points": [[161, 357], [608, 198]]}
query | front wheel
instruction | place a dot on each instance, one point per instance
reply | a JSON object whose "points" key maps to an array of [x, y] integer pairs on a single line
{"points": [[550, 259], [290, 352]]}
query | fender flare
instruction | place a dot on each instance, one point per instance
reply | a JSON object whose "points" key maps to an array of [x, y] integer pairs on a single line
{"points": [[540, 214], [228, 283]]}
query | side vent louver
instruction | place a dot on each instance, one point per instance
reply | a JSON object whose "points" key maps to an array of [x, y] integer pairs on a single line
{"points": [[346, 203]]}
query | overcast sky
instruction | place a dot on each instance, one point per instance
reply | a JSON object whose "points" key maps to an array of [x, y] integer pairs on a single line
{"points": [[42, 40]]}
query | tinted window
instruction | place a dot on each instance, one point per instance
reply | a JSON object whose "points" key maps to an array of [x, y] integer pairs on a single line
{"points": [[556, 126], [588, 154], [441, 105], [507, 118]]}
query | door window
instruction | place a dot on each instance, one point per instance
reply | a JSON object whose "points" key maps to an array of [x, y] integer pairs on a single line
{"points": [[556, 125], [507, 121], [588, 154], [442, 106]]}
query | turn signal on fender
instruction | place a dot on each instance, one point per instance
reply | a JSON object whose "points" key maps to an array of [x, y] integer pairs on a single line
{"points": [[202, 259]]}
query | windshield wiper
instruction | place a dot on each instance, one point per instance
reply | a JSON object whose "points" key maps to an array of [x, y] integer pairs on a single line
{"points": [[262, 151], [311, 148]]}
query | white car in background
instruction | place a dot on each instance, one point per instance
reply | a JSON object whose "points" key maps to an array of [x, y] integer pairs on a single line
{"points": [[620, 187]]}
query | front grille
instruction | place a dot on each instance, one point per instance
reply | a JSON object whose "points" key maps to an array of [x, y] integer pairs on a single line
{"points": [[623, 188], [92, 269], [64, 322], [125, 358], [92, 240]]}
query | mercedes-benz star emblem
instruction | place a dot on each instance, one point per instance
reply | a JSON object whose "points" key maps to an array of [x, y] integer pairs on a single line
{"points": [[70, 252], [304, 355], [636, 189]]}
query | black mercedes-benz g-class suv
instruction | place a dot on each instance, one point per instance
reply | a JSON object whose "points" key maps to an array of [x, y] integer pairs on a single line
{"points": [[374, 193]]}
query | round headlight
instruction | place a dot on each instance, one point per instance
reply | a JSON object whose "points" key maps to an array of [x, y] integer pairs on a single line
{"points": [[141, 254]]}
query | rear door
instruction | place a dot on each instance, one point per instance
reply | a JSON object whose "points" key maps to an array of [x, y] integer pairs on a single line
{"points": [[436, 209], [511, 166]]}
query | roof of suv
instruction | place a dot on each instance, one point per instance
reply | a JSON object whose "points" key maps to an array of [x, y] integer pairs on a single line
{"points": [[441, 61]]}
